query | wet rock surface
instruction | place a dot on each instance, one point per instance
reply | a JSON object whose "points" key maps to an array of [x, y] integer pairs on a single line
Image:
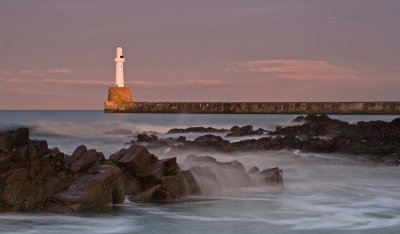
{"points": [[375, 141]]}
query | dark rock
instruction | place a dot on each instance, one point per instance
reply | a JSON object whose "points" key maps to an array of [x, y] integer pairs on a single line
{"points": [[395, 123], [146, 138], [102, 186], [212, 142], [31, 174], [146, 177], [78, 152], [85, 159], [9, 140], [136, 159], [195, 129], [237, 131]]}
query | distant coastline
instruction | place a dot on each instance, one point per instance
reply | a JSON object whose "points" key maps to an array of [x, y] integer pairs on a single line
{"points": [[373, 108]]}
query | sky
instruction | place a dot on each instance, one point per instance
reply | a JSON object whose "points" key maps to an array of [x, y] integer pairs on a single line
{"points": [[60, 54]]}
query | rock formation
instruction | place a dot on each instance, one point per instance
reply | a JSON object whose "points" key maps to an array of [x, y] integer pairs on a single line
{"points": [[36, 178], [374, 141]]}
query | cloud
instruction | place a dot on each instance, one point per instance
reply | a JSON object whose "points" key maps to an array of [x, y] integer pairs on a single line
{"points": [[57, 70], [175, 83], [75, 82], [203, 82], [31, 91], [146, 83], [109, 83], [12, 80], [397, 67], [298, 69], [45, 72]]}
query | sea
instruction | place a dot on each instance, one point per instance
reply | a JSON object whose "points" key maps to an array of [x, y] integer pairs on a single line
{"points": [[324, 193]]}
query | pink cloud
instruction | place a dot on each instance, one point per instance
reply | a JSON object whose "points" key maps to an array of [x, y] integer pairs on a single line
{"points": [[77, 82], [175, 83], [30, 91], [57, 70], [45, 72], [298, 69], [11, 80], [32, 72], [110, 83], [146, 83], [203, 82]]}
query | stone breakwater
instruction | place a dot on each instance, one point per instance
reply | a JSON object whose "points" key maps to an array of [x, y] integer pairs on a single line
{"points": [[391, 108]]}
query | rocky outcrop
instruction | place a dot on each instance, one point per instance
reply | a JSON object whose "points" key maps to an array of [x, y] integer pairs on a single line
{"points": [[374, 141], [34, 177], [146, 177]]}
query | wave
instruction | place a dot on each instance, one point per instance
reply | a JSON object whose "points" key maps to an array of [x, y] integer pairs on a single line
{"points": [[96, 129]]}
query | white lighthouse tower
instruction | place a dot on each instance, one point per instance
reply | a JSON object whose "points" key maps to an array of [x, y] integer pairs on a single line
{"points": [[119, 68], [119, 97]]}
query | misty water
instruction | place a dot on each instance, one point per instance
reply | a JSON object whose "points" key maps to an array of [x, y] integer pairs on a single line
{"points": [[324, 193]]}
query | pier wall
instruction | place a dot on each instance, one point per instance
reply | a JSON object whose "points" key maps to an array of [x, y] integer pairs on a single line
{"points": [[255, 107]]}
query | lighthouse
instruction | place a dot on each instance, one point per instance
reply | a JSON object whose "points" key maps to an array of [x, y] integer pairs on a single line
{"points": [[119, 97], [119, 68]]}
